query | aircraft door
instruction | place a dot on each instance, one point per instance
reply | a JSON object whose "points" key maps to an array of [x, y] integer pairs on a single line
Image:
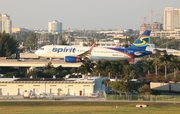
{"points": [[83, 92], [59, 91], [68, 92], [50, 53], [50, 91], [0, 91], [80, 93], [49, 50], [19, 91]]}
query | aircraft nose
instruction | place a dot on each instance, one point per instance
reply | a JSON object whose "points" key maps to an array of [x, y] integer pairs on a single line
{"points": [[37, 52]]}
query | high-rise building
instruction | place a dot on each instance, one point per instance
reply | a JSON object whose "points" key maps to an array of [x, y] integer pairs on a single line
{"points": [[5, 23], [55, 27], [171, 18]]}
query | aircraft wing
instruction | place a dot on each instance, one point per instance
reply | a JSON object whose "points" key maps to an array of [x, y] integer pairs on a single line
{"points": [[86, 53]]}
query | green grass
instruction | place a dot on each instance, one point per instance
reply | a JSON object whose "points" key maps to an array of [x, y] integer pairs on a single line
{"points": [[130, 97], [62, 107], [144, 98], [167, 98]]}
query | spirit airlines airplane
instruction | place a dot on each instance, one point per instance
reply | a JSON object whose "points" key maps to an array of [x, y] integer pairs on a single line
{"points": [[74, 54]]}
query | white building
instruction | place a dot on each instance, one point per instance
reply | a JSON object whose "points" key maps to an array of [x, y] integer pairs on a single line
{"points": [[5, 23], [16, 30], [51, 86], [171, 18], [167, 34], [113, 33], [55, 27]]}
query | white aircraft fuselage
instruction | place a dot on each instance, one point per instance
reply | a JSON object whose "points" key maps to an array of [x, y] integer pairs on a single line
{"points": [[98, 53]]}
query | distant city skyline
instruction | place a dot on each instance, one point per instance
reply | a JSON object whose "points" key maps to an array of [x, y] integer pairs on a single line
{"points": [[84, 14]]}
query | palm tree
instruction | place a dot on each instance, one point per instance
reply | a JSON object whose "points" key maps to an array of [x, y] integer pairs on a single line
{"points": [[113, 68], [120, 86], [81, 69], [49, 69], [175, 64], [99, 68], [59, 69], [147, 66], [165, 59], [86, 67], [106, 82], [126, 71], [156, 61], [63, 41], [132, 73]]}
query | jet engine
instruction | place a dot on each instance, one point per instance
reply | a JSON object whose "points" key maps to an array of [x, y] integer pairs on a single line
{"points": [[138, 53], [71, 59], [141, 53]]}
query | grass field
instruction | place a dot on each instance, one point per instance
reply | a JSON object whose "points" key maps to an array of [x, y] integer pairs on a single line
{"points": [[61, 107], [144, 98]]}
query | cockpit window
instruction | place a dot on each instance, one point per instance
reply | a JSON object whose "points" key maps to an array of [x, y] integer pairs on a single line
{"points": [[42, 48]]}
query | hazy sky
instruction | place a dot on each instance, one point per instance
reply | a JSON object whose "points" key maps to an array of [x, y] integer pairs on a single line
{"points": [[83, 14]]}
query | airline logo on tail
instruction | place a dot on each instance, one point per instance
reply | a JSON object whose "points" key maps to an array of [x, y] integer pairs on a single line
{"points": [[141, 43], [143, 39]]}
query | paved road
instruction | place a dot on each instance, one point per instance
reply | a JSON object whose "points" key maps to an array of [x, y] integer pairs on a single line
{"points": [[74, 99], [50, 98], [36, 63]]}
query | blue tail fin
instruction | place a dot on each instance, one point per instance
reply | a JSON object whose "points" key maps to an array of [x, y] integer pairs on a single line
{"points": [[141, 43]]}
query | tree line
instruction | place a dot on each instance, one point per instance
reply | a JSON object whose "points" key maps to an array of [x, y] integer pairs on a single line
{"points": [[8, 44], [156, 67]]}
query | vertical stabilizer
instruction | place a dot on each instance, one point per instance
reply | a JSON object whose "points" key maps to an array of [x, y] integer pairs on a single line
{"points": [[142, 41]]}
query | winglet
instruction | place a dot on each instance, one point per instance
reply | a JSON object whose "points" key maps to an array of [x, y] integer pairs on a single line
{"points": [[117, 45], [92, 46]]}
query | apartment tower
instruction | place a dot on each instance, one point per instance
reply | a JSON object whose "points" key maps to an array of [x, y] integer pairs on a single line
{"points": [[5, 23], [55, 27], [171, 18]]}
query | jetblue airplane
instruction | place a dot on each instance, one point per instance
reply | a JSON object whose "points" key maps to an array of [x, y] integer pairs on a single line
{"points": [[74, 54]]}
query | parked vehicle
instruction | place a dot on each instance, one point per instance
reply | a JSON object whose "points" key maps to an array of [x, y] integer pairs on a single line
{"points": [[134, 92], [26, 94], [21, 60], [23, 56], [42, 95], [94, 95], [33, 96]]}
